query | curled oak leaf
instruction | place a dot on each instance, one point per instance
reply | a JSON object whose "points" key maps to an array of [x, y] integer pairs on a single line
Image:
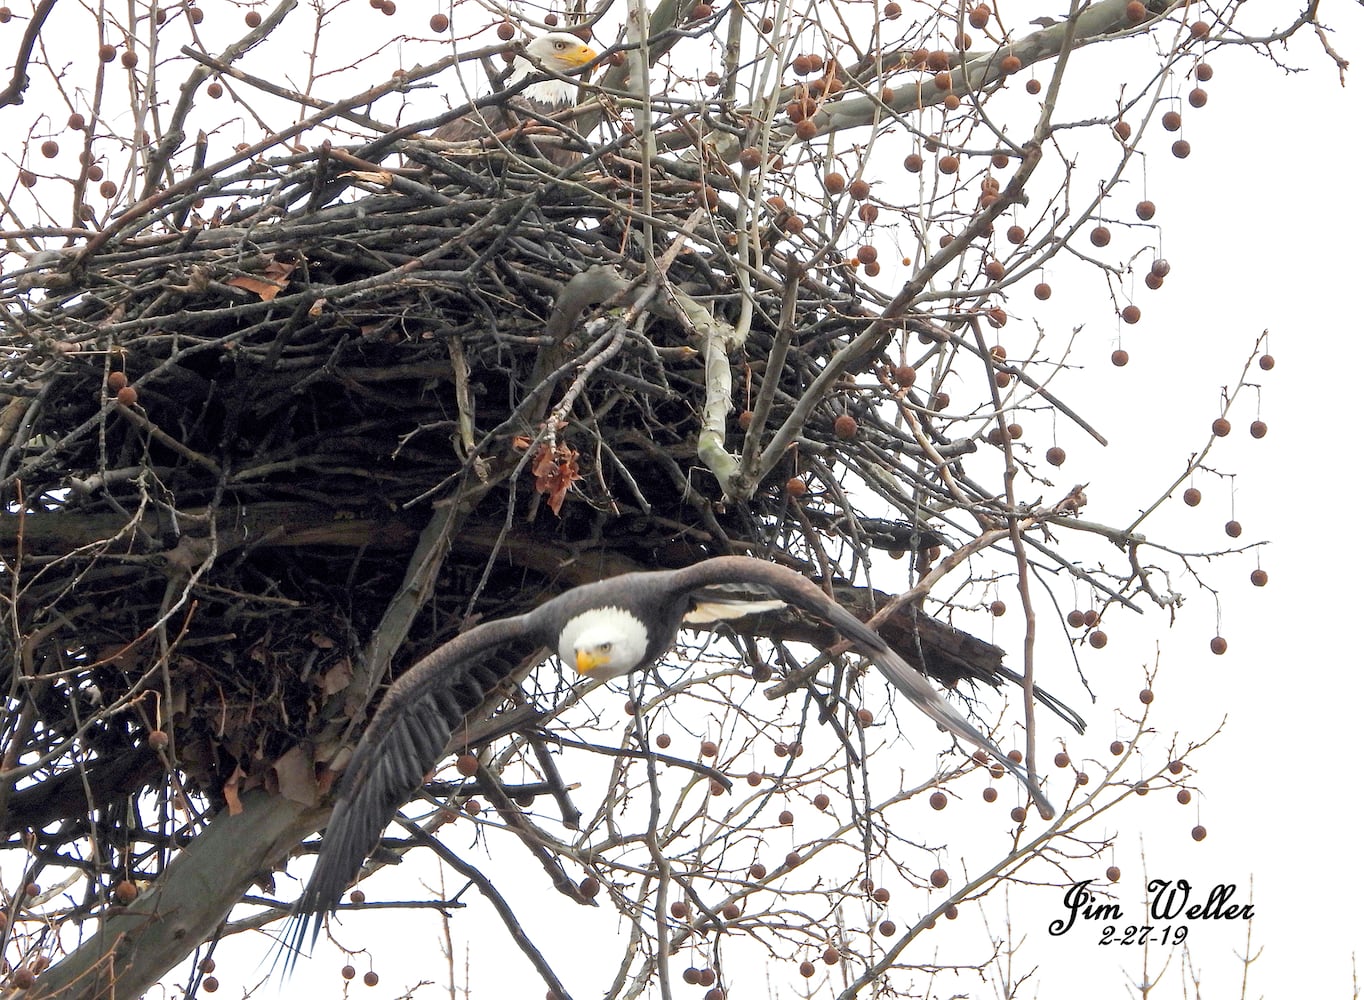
{"points": [[555, 470]]}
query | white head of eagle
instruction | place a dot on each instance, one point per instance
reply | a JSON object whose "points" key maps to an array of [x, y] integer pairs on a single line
{"points": [[560, 52], [604, 642]]}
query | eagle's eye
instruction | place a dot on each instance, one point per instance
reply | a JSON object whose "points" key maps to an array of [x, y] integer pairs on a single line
{"points": [[606, 647], [561, 45]]}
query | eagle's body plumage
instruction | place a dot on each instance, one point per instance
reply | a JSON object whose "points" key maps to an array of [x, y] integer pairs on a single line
{"points": [[557, 51], [602, 629]]}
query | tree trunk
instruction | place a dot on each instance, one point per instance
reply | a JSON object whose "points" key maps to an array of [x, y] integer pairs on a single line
{"points": [[138, 944]]}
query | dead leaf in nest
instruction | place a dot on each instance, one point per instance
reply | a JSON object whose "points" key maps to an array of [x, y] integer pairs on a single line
{"points": [[269, 283], [377, 178], [555, 470], [338, 677], [297, 781], [231, 791]]}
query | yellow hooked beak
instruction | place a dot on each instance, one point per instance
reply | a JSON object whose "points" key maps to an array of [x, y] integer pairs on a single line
{"points": [[590, 659], [580, 56]]}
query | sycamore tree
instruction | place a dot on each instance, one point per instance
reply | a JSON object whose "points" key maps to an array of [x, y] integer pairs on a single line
{"points": [[294, 392]]}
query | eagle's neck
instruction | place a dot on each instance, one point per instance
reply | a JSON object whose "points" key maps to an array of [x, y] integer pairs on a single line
{"points": [[551, 92]]}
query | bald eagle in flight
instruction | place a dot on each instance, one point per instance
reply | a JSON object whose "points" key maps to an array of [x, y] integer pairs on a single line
{"points": [[558, 51], [602, 629]]}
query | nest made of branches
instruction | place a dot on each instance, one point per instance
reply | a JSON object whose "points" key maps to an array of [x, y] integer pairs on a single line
{"points": [[231, 439]]}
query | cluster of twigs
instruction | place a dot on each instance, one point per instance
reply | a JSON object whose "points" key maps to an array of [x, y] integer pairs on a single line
{"points": [[286, 422], [227, 440]]}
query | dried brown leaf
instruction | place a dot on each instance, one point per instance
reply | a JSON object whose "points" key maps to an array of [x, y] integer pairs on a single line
{"points": [[268, 284], [232, 789], [555, 470], [338, 676], [297, 779]]}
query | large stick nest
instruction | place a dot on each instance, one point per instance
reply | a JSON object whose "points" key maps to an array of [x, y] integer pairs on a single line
{"points": [[227, 442]]}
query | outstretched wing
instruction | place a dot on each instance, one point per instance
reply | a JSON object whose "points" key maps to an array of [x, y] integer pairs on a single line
{"points": [[737, 600], [799, 592], [403, 742]]}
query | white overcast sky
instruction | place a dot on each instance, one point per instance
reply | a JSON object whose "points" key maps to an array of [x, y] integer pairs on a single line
{"points": [[1263, 234]]}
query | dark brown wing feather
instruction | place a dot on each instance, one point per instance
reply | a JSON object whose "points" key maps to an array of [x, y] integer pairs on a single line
{"points": [[500, 119], [403, 742], [478, 124], [799, 592]]}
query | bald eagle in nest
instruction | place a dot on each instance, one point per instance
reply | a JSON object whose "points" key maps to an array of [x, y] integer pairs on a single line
{"points": [[557, 51], [603, 629]]}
